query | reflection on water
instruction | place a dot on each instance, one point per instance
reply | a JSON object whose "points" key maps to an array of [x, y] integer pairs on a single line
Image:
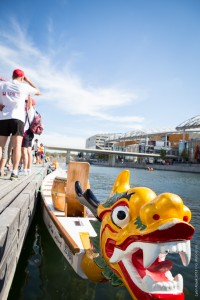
{"points": [[42, 272]]}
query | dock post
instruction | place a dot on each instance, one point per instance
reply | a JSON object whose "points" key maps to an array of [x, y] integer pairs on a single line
{"points": [[111, 160], [165, 141], [68, 157]]}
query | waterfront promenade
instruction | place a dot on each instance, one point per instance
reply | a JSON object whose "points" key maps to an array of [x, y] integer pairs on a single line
{"points": [[176, 167], [18, 201]]}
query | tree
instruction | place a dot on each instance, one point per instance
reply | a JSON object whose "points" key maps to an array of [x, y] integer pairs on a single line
{"points": [[184, 154], [163, 154]]}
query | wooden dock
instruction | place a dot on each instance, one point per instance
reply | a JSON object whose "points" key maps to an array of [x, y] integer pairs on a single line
{"points": [[18, 201]]}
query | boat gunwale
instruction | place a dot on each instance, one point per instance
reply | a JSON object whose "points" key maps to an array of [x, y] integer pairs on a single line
{"points": [[62, 231]]}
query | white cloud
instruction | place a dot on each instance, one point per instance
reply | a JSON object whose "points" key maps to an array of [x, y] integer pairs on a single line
{"points": [[55, 139], [60, 84], [53, 74]]}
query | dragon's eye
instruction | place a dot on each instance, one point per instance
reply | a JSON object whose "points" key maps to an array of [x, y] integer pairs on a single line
{"points": [[120, 216]]}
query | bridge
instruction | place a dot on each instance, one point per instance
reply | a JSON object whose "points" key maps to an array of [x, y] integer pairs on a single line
{"points": [[111, 154]]}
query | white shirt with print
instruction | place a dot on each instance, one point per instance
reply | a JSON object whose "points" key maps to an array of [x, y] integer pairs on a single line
{"points": [[13, 95]]}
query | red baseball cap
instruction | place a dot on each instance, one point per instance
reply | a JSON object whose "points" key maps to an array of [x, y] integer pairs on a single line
{"points": [[32, 101], [18, 73]]}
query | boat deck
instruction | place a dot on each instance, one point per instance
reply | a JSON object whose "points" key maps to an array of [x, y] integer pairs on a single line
{"points": [[73, 226]]}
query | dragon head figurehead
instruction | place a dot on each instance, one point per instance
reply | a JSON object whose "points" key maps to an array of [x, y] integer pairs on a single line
{"points": [[138, 230]]}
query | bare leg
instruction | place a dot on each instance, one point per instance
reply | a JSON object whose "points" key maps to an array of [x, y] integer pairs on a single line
{"points": [[2, 165], [5, 155], [37, 159], [10, 150], [25, 157], [30, 157], [3, 140], [17, 144]]}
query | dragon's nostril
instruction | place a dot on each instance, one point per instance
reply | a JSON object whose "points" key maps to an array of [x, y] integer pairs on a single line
{"points": [[156, 217], [185, 218]]}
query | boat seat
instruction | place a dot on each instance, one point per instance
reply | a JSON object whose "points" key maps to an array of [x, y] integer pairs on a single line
{"points": [[77, 171]]}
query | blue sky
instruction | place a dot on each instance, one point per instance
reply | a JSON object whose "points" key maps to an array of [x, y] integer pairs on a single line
{"points": [[105, 66]]}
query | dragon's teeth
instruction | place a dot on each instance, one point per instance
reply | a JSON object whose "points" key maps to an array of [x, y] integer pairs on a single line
{"points": [[169, 276], [117, 256], [184, 258], [150, 253], [183, 248], [147, 283], [185, 254], [179, 280]]}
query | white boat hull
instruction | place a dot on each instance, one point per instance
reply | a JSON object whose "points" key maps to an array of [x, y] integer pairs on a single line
{"points": [[65, 229]]}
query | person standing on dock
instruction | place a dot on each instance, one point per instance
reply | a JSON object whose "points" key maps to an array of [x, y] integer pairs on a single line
{"points": [[13, 94], [41, 153], [35, 149], [4, 150], [6, 156], [28, 136]]}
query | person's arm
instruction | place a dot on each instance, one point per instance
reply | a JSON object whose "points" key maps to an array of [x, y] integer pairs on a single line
{"points": [[1, 107], [31, 84], [29, 103]]}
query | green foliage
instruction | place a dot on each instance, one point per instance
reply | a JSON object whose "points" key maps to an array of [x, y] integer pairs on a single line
{"points": [[163, 154], [80, 155], [184, 154], [55, 154], [102, 156], [107, 272]]}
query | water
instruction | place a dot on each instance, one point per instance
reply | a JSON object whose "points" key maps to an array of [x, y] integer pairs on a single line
{"points": [[43, 274]]}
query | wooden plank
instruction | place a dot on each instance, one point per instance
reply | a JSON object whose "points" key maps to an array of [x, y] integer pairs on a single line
{"points": [[7, 269], [8, 199], [11, 191], [9, 219], [29, 198], [8, 186], [3, 241], [76, 171], [32, 190], [22, 232], [22, 202]]}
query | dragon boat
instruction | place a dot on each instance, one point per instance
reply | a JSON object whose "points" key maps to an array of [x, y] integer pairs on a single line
{"points": [[125, 239]]}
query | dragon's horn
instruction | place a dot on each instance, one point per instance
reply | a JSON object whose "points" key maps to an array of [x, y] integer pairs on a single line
{"points": [[87, 198], [122, 183]]}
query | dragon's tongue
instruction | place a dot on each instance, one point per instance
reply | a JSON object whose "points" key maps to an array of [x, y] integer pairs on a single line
{"points": [[161, 267]]}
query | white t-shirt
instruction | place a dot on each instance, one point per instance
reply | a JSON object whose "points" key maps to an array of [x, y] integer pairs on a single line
{"points": [[29, 119], [13, 95], [35, 146]]}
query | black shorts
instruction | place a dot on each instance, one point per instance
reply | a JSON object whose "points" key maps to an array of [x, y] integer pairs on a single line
{"points": [[11, 126], [27, 139]]}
